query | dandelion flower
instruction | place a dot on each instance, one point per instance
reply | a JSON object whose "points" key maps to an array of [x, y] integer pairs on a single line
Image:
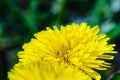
{"points": [[76, 45], [46, 71]]}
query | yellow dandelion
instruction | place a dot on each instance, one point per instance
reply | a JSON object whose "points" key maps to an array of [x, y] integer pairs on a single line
{"points": [[75, 45], [46, 71]]}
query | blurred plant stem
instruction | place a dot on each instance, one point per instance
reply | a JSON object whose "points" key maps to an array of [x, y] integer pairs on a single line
{"points": [[58, 8], [34, 5], [98, 11], [28, 18], [31, 15]]}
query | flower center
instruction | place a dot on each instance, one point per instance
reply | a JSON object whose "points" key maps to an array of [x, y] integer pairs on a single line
{"points": [[64, 57]]}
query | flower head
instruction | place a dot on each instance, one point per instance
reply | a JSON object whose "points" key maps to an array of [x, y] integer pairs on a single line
{"points": [[75, 45], [46, 71]]}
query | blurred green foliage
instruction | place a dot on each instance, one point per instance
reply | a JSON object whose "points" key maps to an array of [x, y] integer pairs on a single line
{"points": [[20, 19], [116, 77]]}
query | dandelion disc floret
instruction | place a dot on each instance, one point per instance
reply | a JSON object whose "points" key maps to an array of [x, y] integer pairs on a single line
{"points": [[75, 45]]}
